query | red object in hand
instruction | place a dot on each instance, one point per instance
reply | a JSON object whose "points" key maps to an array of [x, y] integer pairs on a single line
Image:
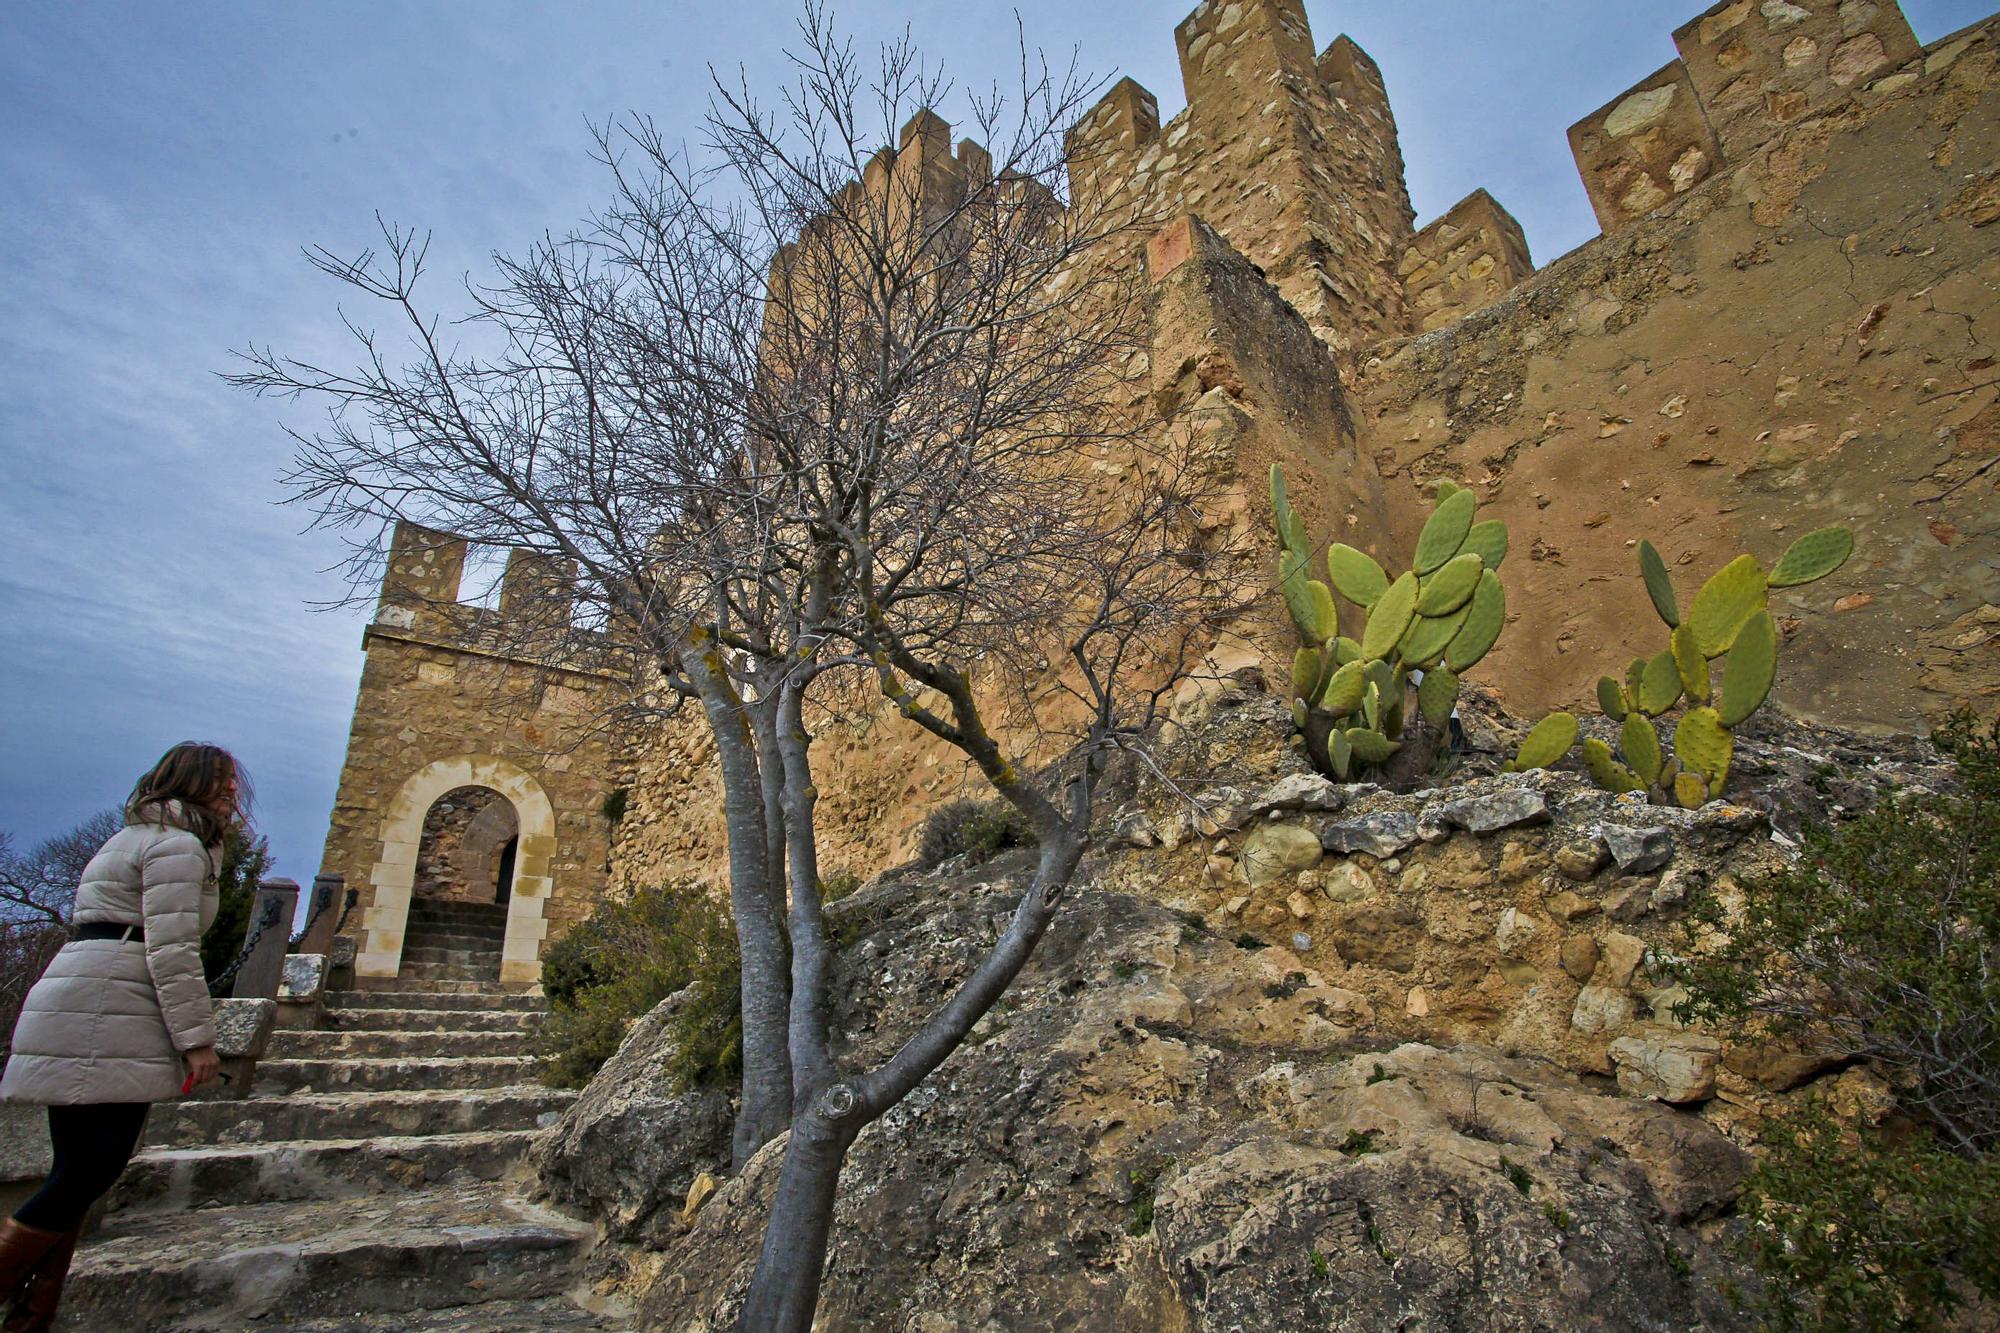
{"points": [[187, 1085]]}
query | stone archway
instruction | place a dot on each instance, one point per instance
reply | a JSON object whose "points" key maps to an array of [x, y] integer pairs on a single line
{"points": [[393, 877]]}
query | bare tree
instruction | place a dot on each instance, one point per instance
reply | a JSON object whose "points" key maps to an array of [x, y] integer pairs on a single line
{"points": [[39, 885], [804, 415]]}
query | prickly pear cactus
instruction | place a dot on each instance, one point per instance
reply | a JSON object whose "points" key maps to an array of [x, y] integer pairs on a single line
{"points": [[1730, 620], [1351, 696], [1548, 741]]}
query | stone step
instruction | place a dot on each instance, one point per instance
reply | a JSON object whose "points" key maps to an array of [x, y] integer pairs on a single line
{"points": [[392, 995], [459, 914], [409, 1043], [454, 1020], [475, 934], [354, 1115], [555, 1314], [461, 987], [434, 951], [422, 1250], [398, 1074], [232, 1175], [478, 971]]}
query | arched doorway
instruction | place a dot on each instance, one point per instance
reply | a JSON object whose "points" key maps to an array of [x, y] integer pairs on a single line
{"points": [[468, 847], [475, 826]]}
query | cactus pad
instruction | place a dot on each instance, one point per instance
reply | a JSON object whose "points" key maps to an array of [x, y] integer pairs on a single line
{"points": [[1444, 532], [1611, 698], [1485, 617], [1659, 586], [1306, 665], [1437, 695], [1689, 790], [1705, 746], [1291, 532], [1343, 692], [1299, 714], [1813, 556], [1444, 487], [1549, 741], [1641, 745], [1660, 685], [1340, 753], [1749, 670], [1635, 675], [1691, 664], [1451, 586], [1488, 541], [1355, 574], [1607, 772], [1370, 747], [1428, 636], [1346, 650], [1389, 617], [1730, 597]]}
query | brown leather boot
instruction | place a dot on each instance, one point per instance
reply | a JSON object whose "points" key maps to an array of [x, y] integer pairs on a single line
{"points": [[21, 1249], [34, 1308]]}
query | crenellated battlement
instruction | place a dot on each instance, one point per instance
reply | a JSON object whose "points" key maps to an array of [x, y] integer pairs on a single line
{"points": [[1747, 70], [422, 585]]}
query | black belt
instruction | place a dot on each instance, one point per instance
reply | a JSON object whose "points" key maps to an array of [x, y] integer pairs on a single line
{"points": [[109, 930]]}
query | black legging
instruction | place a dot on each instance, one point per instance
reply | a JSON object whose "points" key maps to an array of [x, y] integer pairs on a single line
{"points": [[92, 1146]]}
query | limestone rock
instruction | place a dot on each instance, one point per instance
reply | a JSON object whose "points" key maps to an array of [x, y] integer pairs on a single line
{"points": [[1582, 858], [630, 1149], [1569, 905], [1300, 906], [1579, 956], [1516, 928], [1778, 1066], [1669, 1067], [699, 1193], [1348, 883], [1619, 956], [1600, 1009], [1276, 851], [1091, 1166], [1514, 807], [1381, 835], [1638, 851]]}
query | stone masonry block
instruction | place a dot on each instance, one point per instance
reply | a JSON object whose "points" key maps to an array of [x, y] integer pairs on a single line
{"points": [[1644, 147], [243, 1026], [1759, 65]]}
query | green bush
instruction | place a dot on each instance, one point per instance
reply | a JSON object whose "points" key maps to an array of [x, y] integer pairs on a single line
{"points": [[1881, 944], [1860, 1229], [622, 961], [981, 829]]}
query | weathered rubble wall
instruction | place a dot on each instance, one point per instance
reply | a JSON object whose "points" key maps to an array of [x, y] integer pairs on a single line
{"points": [[1807, 337]]}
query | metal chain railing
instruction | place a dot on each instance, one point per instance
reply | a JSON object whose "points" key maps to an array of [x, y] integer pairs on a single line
{"points": [[265, 921], [322, 900]]}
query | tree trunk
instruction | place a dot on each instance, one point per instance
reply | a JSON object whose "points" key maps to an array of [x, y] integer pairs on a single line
{"points": [[811, 957], [784, 1292], [766, 988]]}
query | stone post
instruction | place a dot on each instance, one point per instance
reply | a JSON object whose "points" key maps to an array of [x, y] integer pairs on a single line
{"points": [[269, 938], [329, 900]]}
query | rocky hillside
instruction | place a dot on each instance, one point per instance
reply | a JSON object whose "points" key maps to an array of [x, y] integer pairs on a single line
{"points": [[1303, 1056]]}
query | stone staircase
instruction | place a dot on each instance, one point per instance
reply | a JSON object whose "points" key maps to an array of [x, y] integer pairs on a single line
{"points": [[372, 1180]]}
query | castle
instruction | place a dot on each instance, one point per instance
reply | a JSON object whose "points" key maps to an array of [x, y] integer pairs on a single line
{"points": [[1788, 321]]}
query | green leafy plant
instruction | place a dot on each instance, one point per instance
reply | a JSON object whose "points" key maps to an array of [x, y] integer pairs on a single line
{"points": [[619, 963], [1351, 696], [615, 801], [1882, 943], [243, 863], [1729, 622]]}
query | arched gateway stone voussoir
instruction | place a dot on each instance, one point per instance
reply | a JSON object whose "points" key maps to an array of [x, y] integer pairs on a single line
{"points": [[393, 876]]}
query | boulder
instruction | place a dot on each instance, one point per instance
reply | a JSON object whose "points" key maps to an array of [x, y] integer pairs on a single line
{"points": [[1172, 1147], [1601, 1009], [1513, 807], [1348, 883], [1381, 835], [1581, 858], [1277, 851], [1579, 957], [633, 1147], [1667, 1066], [1638, 851], [1619, 956]]}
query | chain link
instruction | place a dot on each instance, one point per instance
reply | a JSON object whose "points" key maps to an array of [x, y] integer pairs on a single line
{"points": [[268, 919]]}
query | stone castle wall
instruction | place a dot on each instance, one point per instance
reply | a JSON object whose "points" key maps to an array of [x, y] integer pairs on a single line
{"points": [[1789, 322]]}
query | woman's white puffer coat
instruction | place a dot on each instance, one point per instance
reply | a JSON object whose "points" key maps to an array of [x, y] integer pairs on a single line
{"points": [[108, 1020]]}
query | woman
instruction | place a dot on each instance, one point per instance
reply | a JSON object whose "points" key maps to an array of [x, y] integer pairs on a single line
{"points": [[121, 1019]]}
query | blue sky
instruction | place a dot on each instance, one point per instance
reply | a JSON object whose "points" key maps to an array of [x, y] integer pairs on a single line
{"points": [[163, 165]]}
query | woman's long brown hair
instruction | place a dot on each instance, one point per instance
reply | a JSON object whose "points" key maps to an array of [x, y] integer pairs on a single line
{"points": [[193, 774]]}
